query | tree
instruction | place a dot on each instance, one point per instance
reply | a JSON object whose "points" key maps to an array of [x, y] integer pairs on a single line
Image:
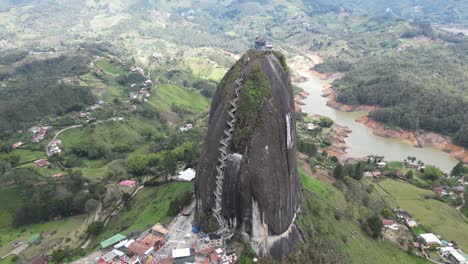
{"points": [[409, 174], [374, 226], [325, 122], [358, 172], [126, 197], [91, 205], [458, 169], [169, 164], [95, 228], [338, 172]]}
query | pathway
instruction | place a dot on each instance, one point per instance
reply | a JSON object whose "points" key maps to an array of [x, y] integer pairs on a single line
{"points": [[56, 135]]}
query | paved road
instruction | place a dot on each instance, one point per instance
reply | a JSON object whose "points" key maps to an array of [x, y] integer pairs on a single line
{"points": [[179, 228], [17, 250]]}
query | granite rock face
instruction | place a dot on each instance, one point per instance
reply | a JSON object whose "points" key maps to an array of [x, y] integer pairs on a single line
{"points": [[261, 191]]}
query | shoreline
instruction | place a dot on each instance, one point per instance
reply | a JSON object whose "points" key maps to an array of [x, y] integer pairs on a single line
{"points": [[418, 138], [304, 71]]}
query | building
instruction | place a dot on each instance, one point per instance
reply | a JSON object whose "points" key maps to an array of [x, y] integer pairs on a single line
{"points": [[154, 241], [140, 248], [34, 239], [456, 258], [215, 240], [376, 174], [112, 240], [111, 256], [42, 163], [381, 164], [206, 251], [459, 189], [429, 240], [17, 145], [410, 222], [311, 126], [262, 44], [183, 255], [128, 183], [390, 224], [440, 191], [187, 175], [159, 229], [40, 260]]}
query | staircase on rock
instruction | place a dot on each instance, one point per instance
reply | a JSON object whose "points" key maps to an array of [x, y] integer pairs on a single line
{"points": [[224, 144]]}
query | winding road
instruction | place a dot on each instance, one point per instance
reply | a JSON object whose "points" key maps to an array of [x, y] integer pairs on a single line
{"points": [[56, 135]]}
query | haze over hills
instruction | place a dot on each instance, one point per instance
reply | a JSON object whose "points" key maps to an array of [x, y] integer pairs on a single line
{"points": [[105, 111]]}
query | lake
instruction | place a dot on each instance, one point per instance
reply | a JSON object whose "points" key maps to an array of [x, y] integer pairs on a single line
{"points": [[362, 141]]}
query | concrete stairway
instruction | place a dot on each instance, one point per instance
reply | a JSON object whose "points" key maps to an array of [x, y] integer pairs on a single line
{"points": [[224, 144]]}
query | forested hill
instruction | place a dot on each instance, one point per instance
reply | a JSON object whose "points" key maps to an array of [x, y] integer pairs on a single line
{"points": [[37, 89], [435, 11], [423, 88]]}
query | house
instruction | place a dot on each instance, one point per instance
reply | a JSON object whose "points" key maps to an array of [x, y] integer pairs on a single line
{"points": [[390, 224], [402, 214], [183, 255], [40, 260], [429, 240], [187, 175], [214, 258], [440, 191], [459, 189], [140, 249], [381, 164], [159, 229], [214, 239], [34, 239], [17, 145], [112, 256], [457, 258], [128, 183], [206, 251], [154, 241], [311, 126], [260, 44], [112, 240], [376, 174], [410, 222], [42, 163], [58, 175], [187, 127]]}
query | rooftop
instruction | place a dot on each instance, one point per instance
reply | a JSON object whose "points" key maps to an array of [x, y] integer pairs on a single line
{"points": [[430, 238], [180, 252], [151, 240], [160, 229], [112, 240], [138, 248]]}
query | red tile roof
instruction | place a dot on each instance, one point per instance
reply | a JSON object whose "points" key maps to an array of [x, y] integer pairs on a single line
{"points": [[387, 222], [152, 240], [42, 162], [207, 250], [138, 248]]}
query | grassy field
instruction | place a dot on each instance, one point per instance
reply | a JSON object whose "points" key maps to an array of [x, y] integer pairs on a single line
{"points": [[439, 217], [190, 99], [28, 154], [64, 228], [149, 206], [109, 134], [109, 67], [332, 234]]}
